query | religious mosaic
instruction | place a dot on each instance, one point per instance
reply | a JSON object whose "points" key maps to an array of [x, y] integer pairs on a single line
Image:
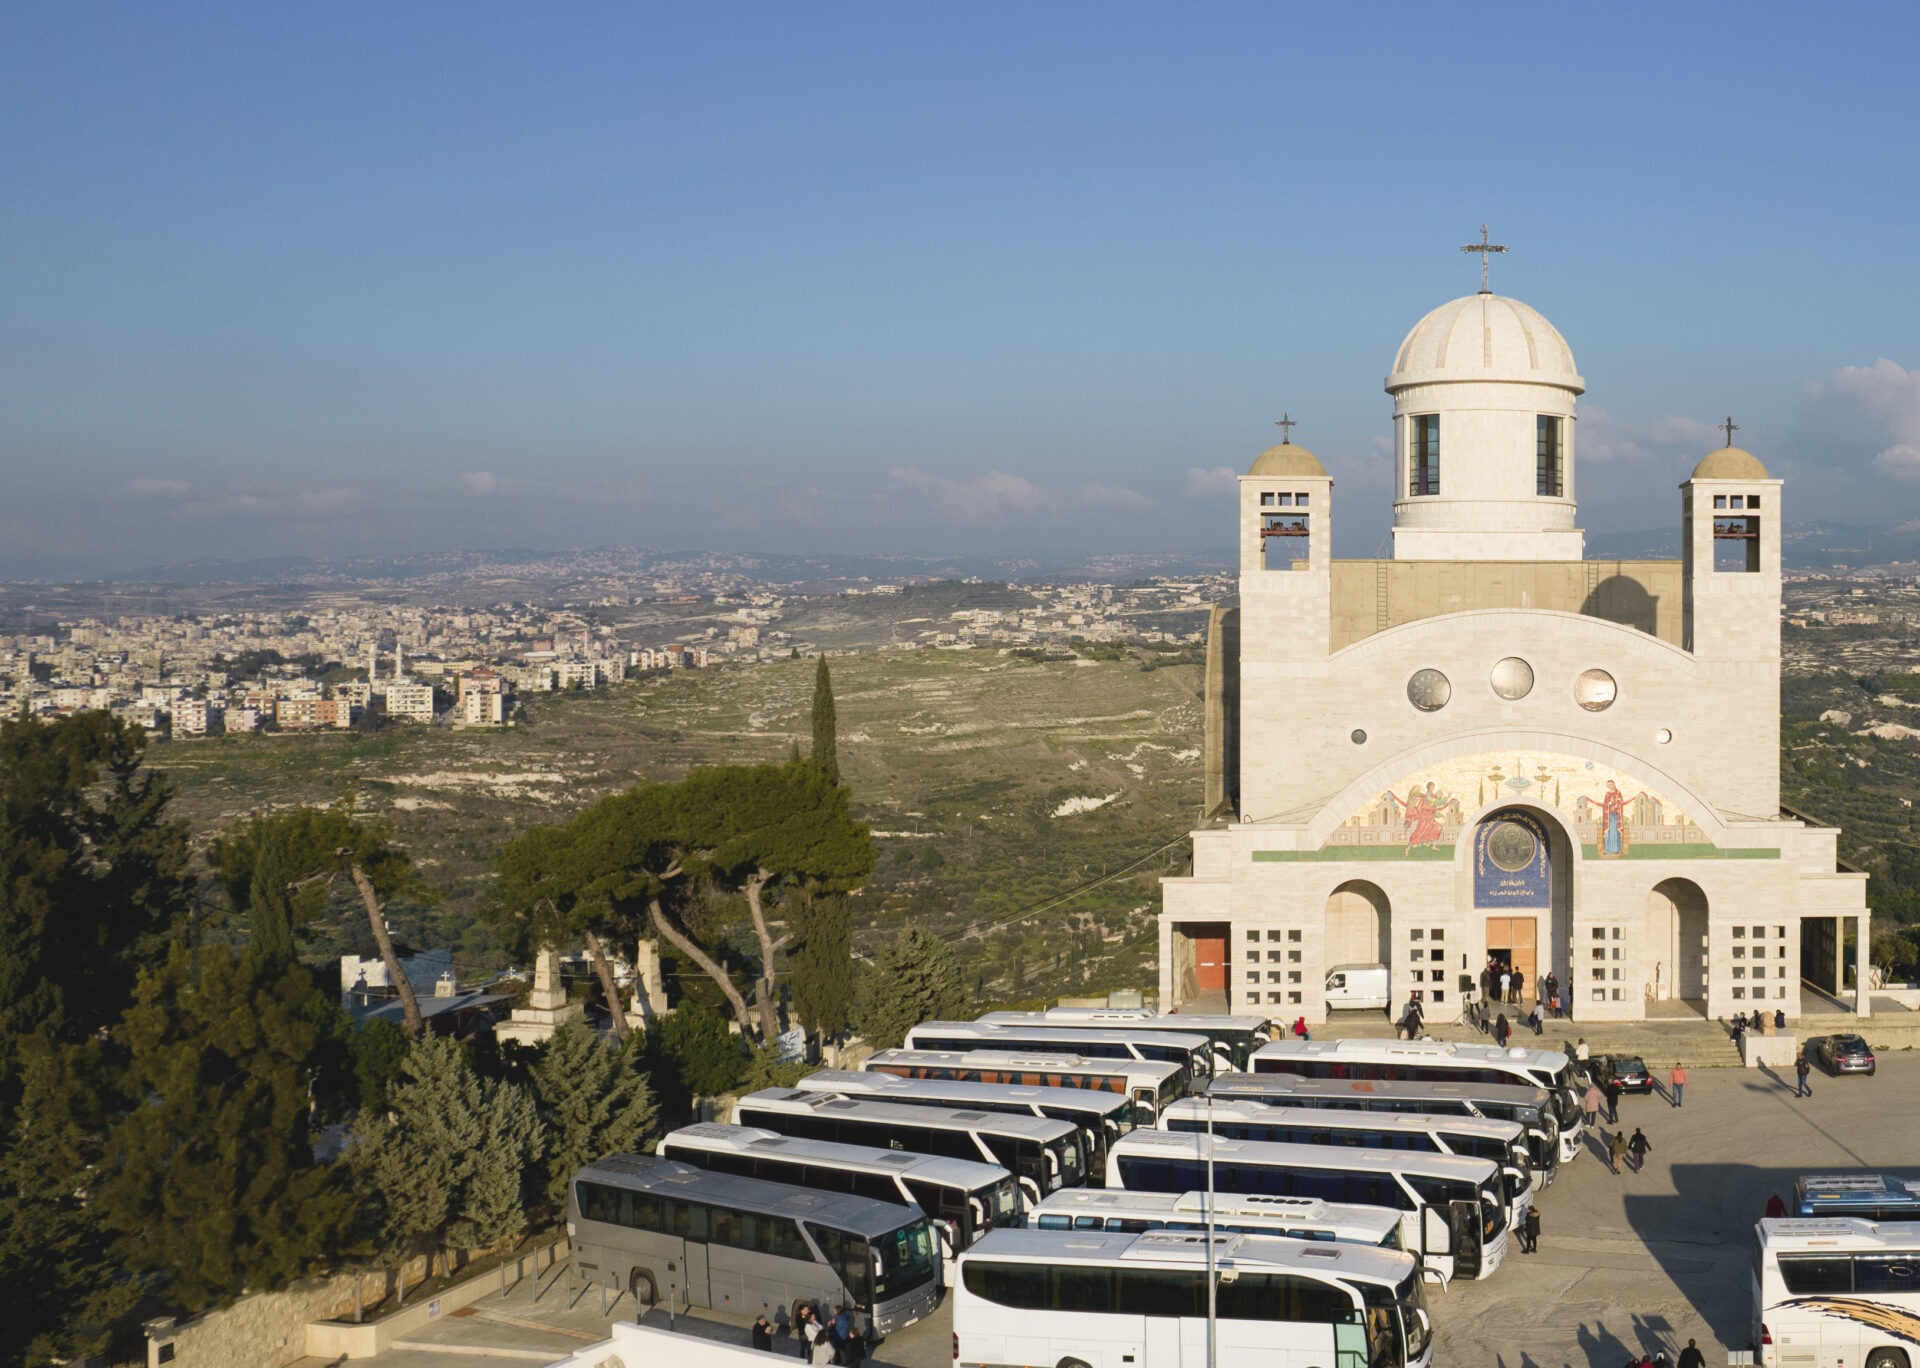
{"points": [[1614, 814]]}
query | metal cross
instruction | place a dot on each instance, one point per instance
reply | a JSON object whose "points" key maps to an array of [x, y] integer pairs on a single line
{"points": [[1731, 427], [1483, 247], [1286, 425]]}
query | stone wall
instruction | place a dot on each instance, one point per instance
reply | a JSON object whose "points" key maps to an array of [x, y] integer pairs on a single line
{"points": [[265, 1330]]}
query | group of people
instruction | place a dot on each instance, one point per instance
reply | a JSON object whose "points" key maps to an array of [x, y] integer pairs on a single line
{"points": [[1501, 983], [1756, 1021], [1634, 1151], [823, 1338]]}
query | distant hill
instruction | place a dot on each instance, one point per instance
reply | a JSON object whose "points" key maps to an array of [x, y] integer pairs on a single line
{"points": [[1805, 546]]}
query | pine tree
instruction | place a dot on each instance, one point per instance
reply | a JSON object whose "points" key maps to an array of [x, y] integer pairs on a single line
{"points": [[593, 1101], [269, 905], [821, 961], [913, 979], [826, 735], [492, 1204]]}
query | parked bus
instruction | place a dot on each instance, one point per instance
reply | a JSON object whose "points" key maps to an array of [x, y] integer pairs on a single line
{"points": [[1103, 1117], [963, 1198], [1873, 1196], [1433, 1061], [1504, 1142], [669, 1231], [1234, 1038], [1239, 1213], [1836, 1291], [1149, 1083], [1532, 1107], [1140, 1301], [1041, 1153], [1453, 1212], [1194, 1053]]}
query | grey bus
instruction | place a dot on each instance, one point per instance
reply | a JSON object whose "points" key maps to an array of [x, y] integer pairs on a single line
{"points": [[662, 1229]]}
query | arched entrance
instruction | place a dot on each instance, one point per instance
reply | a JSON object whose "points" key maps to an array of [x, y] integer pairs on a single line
{"points": [[1676, 965], [1359, 925], [1515, 879]]}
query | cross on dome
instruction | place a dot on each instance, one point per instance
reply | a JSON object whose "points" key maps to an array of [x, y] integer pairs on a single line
{"points": [[1484, 248], [1286, 425], [1731, 428]]}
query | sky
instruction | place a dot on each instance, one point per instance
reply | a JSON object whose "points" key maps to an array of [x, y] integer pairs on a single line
{"points": [[1016, 280]]}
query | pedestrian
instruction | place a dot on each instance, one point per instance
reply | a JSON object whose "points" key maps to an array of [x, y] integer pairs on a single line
{"points": [[1580, 1049], [1776, 1208], [1613, 1100], [1530, 1231], [1616, 1151], [1590, 1104], [1779, 1018], [1533, 1020], [1676, 1082], [762, 1332], [1501, 1031], [1506, 984], [1739, 1029], [839, 1329], [1300, 1028], [1550, 985], [1691, 1357], [819, 1347], [1801, 1069], [1519, 983], [856, 1344], [1639, 1146]]}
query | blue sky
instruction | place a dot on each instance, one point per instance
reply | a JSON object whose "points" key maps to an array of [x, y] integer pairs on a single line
{"points": [[1009, 278]]}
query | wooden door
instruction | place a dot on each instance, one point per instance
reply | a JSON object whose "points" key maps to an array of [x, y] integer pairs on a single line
{"points": [[1210, 961], [1515, 937]]}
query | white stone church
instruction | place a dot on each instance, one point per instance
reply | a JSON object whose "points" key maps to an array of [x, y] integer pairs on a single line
{"points": [[1490, 746]]}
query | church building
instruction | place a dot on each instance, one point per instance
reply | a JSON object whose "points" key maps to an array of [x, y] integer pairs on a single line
{"points": [[1489, 746]]}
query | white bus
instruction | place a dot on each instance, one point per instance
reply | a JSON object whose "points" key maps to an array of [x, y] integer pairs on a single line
{"points": [[1150, 1083], [1874, 1196], [1504, 1142], [1453, 1212], [1242, 1213], [1061, 1297], [1837, 1291], [1532, 1107], [1194, 1053], [1234, 1038], [1041, 1153], [1433, 1061], [1102, 1116], [963, 1198]]}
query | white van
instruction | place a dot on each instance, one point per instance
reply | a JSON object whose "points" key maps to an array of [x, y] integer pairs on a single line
{"points": [[1357, 985]]}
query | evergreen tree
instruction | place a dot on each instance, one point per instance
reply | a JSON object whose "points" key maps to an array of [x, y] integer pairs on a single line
{"points": [[690, 1053], [826, 735], [492, 1204], [269, 905], [821, 961], [913, 979], [593, 1101], [208, 1176]]}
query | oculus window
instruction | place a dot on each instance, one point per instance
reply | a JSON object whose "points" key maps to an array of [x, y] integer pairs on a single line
{"points": [[1549, 459], [1429, 690], [1512, 678], [1595, 690], [1423, 454]]}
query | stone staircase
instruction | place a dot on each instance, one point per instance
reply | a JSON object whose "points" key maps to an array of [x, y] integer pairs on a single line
{"points": [[1695, 1043]]}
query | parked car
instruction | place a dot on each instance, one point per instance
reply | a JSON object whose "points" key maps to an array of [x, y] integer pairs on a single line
{"points": [[1629, 1072], [1839, 1054]]}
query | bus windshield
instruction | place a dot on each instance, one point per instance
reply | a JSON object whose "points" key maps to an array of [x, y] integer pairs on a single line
{"points": [[1002, 1203], [903, 1260], [1069, 1155]]}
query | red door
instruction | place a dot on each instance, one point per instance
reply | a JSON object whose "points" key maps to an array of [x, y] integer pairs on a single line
{"points": [[1210, 962]]}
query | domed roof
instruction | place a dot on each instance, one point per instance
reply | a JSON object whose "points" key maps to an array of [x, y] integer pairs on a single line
{"points": [[1485, 337], [1730, 463], [1288, 461]]}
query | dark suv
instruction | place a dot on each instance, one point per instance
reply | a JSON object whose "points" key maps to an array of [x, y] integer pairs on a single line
{"points": [[1630, 1073], [1840, 1054]]}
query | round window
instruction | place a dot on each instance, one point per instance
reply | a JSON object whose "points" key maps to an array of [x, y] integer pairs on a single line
{"points": [[1359, 737], [1595, 690], [1512, 678], [1429, 690]]}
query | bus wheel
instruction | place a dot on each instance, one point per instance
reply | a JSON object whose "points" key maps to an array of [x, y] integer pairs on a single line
{"points": [[1886, 1358], [645, 1294], [1070, 1363]]}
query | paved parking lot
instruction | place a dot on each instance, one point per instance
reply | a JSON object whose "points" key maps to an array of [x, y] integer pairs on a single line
{"points": [[1627, 1265]]}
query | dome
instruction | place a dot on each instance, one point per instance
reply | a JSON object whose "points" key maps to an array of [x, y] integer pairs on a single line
{"points": [[1290, 462], [1730, 463], [1485, 337]]}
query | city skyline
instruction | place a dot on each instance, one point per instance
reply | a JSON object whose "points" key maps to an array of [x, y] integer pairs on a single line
{"points": [[868, 281]]}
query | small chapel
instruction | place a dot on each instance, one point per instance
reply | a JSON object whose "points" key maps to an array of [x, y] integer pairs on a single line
{"points": [[1488, 747]]}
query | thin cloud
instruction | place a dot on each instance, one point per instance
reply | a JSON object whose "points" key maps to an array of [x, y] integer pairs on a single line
{"points": [[998, 497], [1212, 484]]}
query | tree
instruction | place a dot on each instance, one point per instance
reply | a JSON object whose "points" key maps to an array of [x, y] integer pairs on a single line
{"points": [[913, 979], [208, 1177], [826, 738], [691, 1054], [592, 1100], [821, 960]]}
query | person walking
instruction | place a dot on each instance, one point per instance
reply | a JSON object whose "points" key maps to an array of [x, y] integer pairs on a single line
{"points": [[839, 1330], [1519, 983], [1530, 1231], [1616, 1151], [763, 1332], [1676, 1082], [1691, 1357], [1639, 1147], [1801, 1069], [1501, 1030], [1533, 1020], [1776, 1208], [1580, 1050], [1590, 1104], [1613, 1100]]}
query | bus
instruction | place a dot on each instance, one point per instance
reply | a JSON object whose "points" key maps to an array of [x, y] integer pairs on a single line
{"points": [[1874, 1196], [964, 1199], [1836, 1291], [1194, 1053], [1433, 1061], [1140, 1301], [1504, 1142], [1150, 1083], [1239, 1213], [1532, 1107], [1234, 1038], [662, 1229], [1453, 1212], [1103, 1117], [1043, 1154]]}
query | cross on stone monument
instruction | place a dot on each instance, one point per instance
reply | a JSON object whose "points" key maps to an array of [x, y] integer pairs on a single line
{"points": [[1484, 248], [1731, 428], [1286, 425]]}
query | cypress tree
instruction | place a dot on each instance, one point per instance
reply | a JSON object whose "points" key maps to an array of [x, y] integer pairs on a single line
{"points": [[821, 961], [913, 980], [826, 738]]}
